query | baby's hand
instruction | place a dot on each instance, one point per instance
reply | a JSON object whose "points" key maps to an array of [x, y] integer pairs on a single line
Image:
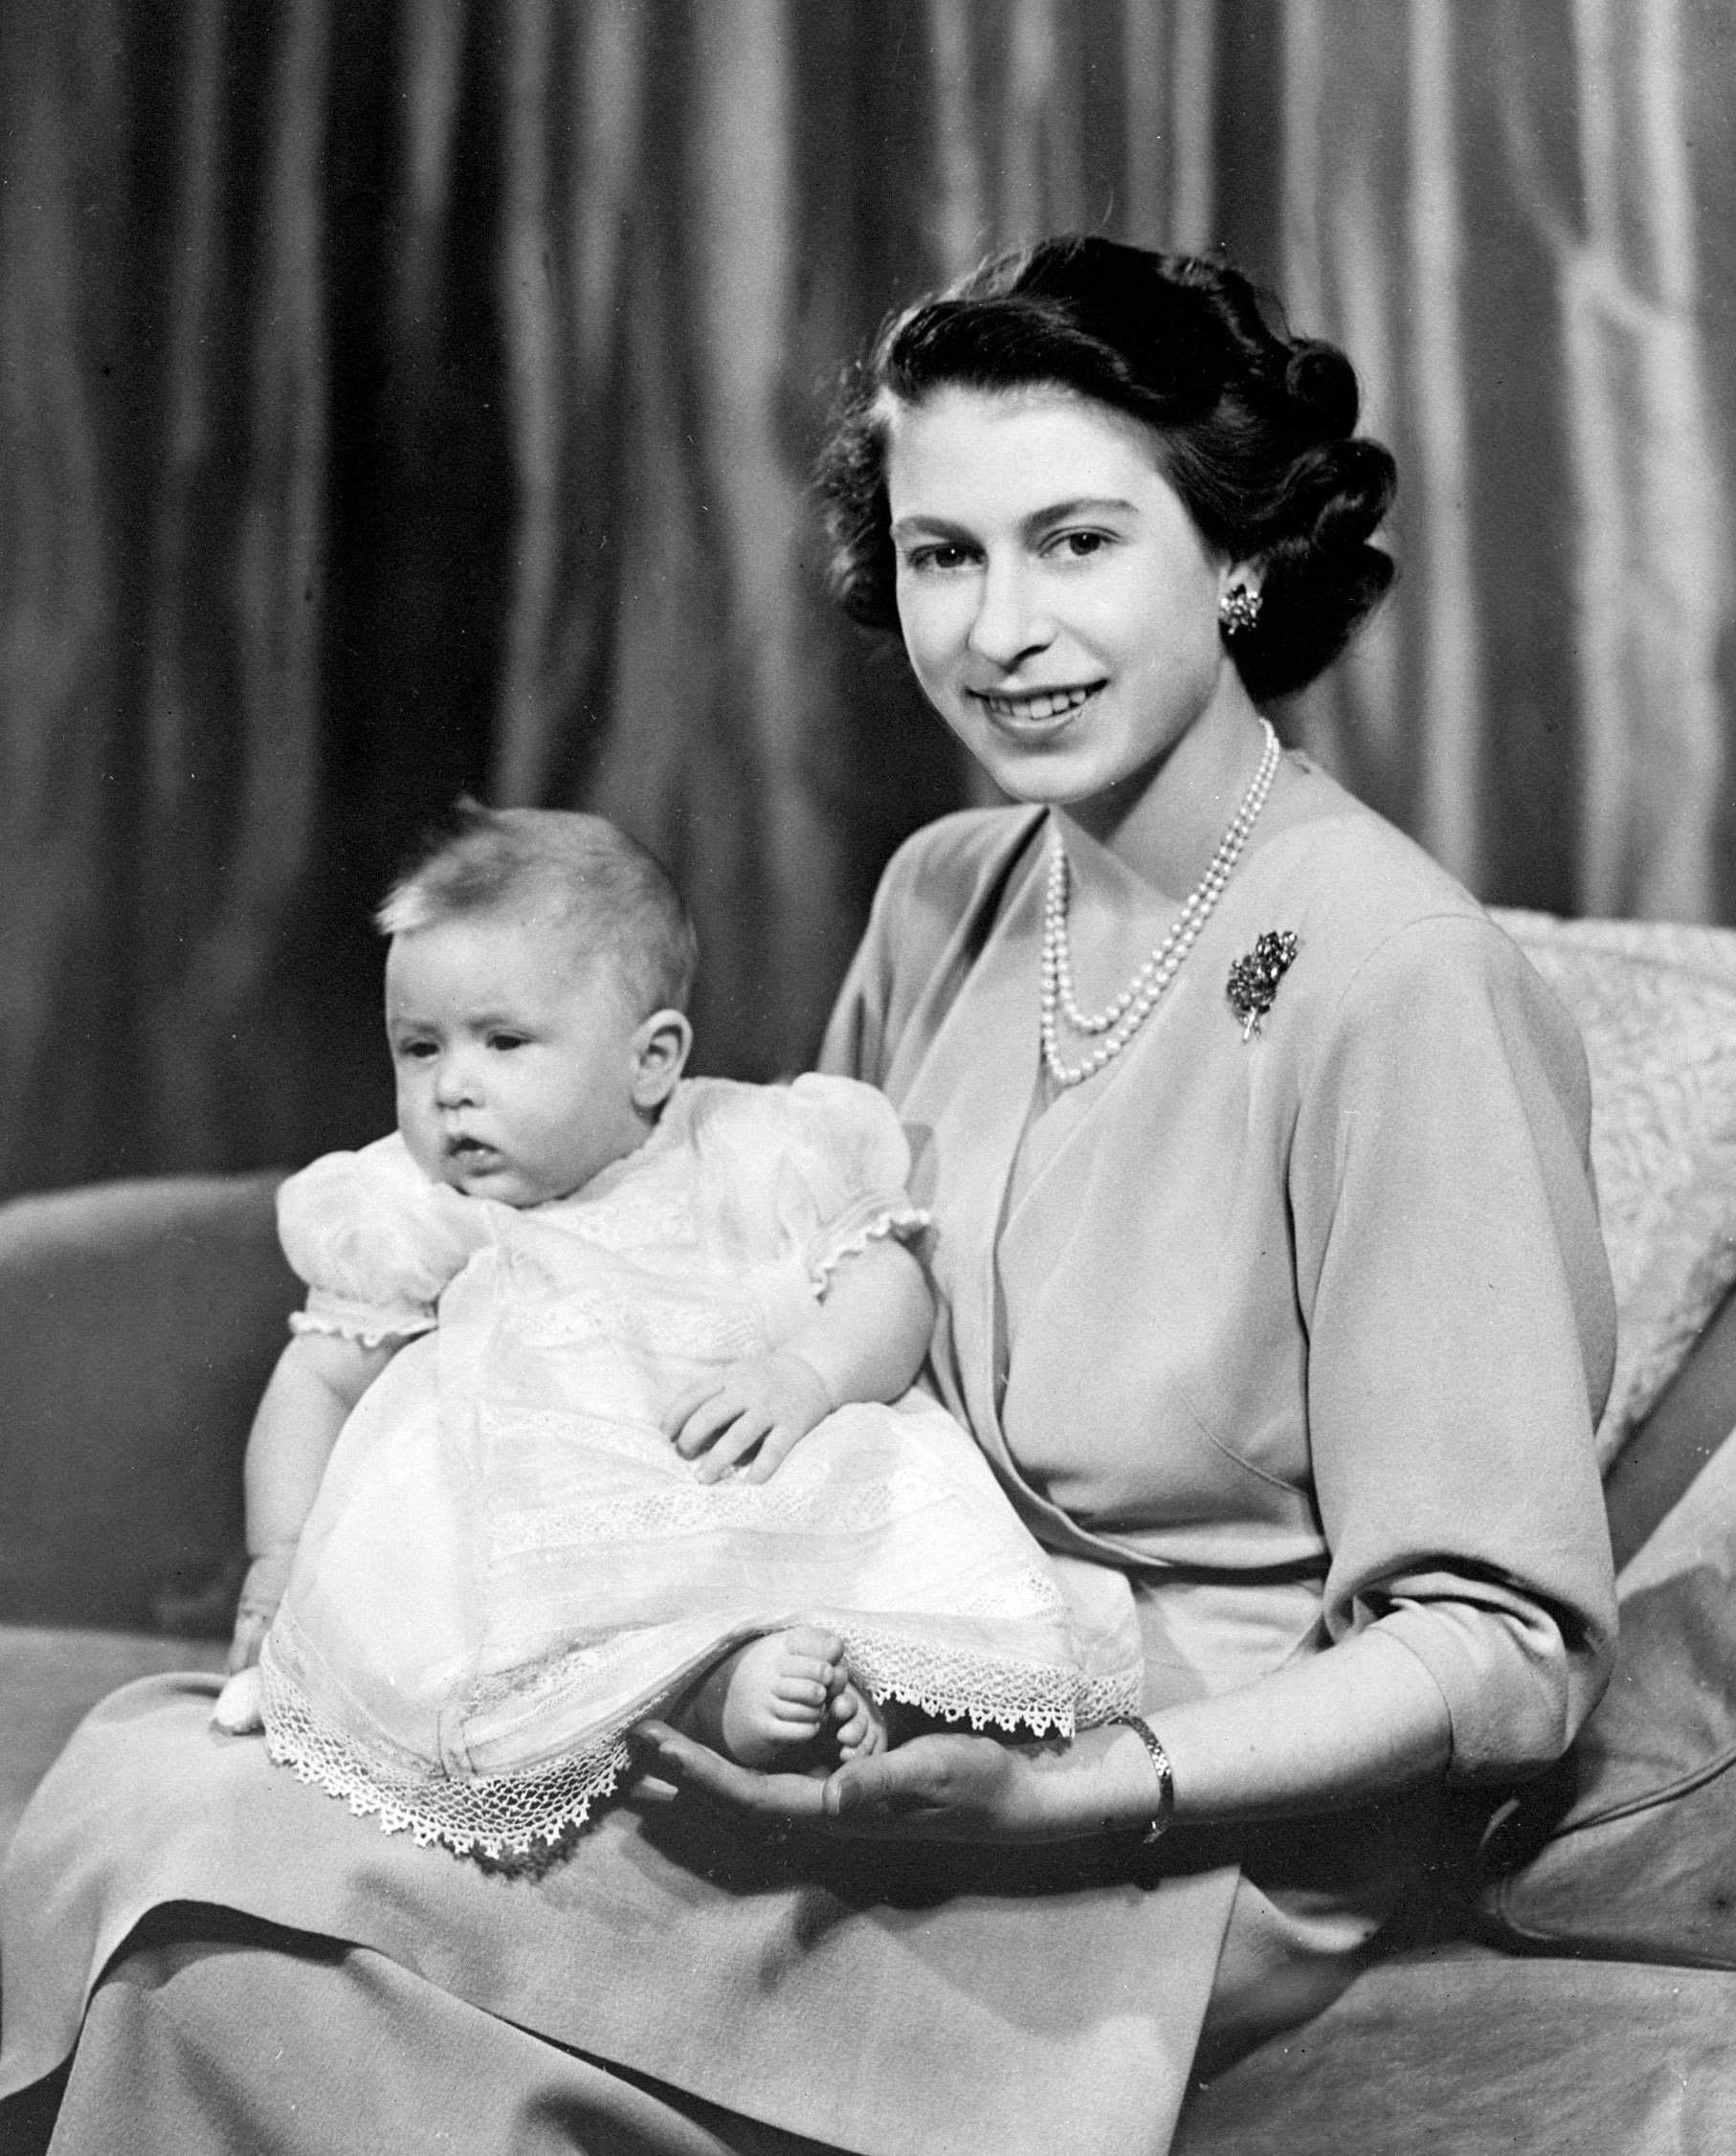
{"points": [[763, 1405], [239, 1710], [262, 1591]]}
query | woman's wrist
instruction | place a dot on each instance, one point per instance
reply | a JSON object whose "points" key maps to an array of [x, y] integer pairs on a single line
{"points": [[1163, 1774]]}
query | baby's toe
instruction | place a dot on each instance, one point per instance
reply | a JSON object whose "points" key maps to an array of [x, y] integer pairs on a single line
{"points": [[861, 1729], [811, 1643], [790, 1688]]}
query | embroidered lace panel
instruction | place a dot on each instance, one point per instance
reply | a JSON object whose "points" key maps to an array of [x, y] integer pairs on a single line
{"points": [[632, 1219], [662, 1328], [695, 1509]]}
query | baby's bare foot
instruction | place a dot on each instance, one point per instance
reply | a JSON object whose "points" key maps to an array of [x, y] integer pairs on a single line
{"points": [[859, 1723], [767, 1704]]}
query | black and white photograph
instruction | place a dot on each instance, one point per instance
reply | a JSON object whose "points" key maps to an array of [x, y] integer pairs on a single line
{"points": [[867, 1078]]}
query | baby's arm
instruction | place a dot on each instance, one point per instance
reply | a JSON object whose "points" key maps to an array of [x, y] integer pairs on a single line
{"points": [[865, 1342], [318, 1379]]}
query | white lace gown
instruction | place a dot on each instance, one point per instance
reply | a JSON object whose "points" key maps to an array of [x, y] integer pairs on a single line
{"points": [[508, 1565]]}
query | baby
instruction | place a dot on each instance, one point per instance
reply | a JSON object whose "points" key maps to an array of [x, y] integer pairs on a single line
{"points": [[601, 1404]]}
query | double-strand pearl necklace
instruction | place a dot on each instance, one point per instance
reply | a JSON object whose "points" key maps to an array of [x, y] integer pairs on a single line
{"points": [[1121, 1019]]}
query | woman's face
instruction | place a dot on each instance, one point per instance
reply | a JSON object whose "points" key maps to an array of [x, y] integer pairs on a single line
{"points": [[1058, 604]]}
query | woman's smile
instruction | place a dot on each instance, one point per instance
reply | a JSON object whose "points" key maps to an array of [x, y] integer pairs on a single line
{"points": [[1033, 707]]}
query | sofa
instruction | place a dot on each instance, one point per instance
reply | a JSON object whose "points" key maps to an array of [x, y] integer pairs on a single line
{"points": [[1567, 1979]]}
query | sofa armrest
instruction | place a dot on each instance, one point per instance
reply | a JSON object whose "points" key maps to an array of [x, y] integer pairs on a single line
{"points": [[137, 1323], [1676, 1439]]}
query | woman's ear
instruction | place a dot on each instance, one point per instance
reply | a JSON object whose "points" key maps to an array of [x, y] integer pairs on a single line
{"points": [[660, 1046]]}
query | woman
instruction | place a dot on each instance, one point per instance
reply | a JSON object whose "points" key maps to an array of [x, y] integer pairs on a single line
{"points": [[1270, 1278]]}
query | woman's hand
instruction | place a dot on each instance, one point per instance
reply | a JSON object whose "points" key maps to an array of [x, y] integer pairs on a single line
{"points": [[944, 1786]]}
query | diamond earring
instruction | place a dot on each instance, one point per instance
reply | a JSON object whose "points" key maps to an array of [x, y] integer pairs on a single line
{"points": [[1238, 609]]}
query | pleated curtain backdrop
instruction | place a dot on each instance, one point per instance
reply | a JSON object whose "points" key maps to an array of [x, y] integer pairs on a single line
{"points": [[1520, 215], [404, 400]]}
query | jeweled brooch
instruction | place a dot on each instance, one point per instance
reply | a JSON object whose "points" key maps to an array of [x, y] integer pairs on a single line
{"points": [[1254, 980]]}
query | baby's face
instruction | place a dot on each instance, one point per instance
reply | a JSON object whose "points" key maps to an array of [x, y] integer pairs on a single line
{"points": [[514, 1056]]}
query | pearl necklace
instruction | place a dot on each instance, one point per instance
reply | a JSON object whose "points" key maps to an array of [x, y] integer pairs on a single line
{"points": [[1121, 1019]]}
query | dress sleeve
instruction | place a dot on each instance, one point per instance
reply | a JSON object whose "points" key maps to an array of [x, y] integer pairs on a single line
{"points": [[1461, 1336], [375, 1240], [841, 1183]]}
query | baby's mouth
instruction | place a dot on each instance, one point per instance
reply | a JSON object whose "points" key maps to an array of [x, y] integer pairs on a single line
{"points": [[470, 1152], [1036, 706]]}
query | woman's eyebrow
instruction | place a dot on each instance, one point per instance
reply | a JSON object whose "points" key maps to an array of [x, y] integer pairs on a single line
{"points": [[1080, 505], [932, 528], [1039, 520]]}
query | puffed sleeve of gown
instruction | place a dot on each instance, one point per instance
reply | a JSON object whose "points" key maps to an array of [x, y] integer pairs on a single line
{"points": [[375, 1240], [1456, 1298], [842, 1178]]}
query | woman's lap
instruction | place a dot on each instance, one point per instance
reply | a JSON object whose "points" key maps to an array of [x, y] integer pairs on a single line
{"points": [[1014, 2008], [213, 2035]]}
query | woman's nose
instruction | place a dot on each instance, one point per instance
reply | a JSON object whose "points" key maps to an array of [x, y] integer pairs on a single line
{"points": [[1010, 620]]}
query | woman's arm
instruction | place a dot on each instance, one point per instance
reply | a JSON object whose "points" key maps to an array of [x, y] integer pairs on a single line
{"points": [[865, 1342], [317, 1379], [1361, 1720], [1364, 1720]]}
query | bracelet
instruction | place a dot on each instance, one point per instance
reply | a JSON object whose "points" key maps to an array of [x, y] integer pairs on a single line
{"points": [[1166, 1775]]}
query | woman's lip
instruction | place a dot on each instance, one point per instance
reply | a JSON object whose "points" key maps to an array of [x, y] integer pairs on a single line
{"points": [[1034, 707]]}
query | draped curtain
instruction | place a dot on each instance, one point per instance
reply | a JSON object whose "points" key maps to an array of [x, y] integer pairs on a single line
{"points": [[1519, 216], [414, 399]]}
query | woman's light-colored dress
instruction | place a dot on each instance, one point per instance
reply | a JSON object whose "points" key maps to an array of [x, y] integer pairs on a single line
{"points": [[508, 1564]]}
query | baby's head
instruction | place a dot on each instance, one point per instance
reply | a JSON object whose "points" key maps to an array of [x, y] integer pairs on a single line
{"points": [[535, 989]]}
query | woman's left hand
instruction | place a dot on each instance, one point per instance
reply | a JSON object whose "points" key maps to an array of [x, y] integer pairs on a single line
{"points": [[945, 1787]]}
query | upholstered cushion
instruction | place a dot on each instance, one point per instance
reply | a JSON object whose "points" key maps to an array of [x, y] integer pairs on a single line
{"points": [[139, 1322], [1656, 1005], [1456, 2052], [1637, 1829]]}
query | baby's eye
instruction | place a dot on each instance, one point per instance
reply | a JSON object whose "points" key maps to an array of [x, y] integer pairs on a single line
{"points": [[503, 1043], [417, 1051]]}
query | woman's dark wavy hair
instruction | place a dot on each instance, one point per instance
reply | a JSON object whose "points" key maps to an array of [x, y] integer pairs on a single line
{"points": [[1255, 429]]}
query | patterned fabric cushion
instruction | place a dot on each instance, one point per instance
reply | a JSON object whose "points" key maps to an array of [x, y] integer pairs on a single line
{"points": [[1656, 1005]]}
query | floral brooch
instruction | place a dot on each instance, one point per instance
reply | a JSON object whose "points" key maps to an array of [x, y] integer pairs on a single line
{"points": [[1254, 980]]}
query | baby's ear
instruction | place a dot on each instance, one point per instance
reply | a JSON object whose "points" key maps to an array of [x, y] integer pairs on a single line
{"points": [[660, 1048]]}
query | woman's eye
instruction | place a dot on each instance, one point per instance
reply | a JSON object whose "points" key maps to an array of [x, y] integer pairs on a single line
{"points": [[1078, 546], [944, 555]]}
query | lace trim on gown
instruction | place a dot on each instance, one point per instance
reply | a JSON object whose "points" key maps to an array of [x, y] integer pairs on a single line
{"points": [[497, 1817], [366, 1323], [501, 1817], [909, 1223]]}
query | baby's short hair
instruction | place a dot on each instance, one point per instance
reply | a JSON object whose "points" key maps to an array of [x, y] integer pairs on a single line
{"points": [[613, 892]]}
